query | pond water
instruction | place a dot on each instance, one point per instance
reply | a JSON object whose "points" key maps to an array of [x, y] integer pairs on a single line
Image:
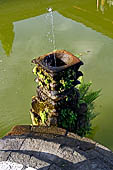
{"points": [[81, 27]]}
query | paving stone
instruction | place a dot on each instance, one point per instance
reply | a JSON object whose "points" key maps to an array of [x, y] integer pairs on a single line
{"points": [[32, 144], [99, 165], [49, 147], [29, 168], [105, 154], [5, 165], [39, 147], [48, 156], [33, 161], [54, 167], [56, 153], [85, 165], [37, 163], [19, 158], [1, 144], [70, 155], [11, 143], [4, 155], [91, 154]]}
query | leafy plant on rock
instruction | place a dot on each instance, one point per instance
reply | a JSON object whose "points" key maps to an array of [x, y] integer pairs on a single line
{"points": [[87, 97], [67, 119], [79, 120]]}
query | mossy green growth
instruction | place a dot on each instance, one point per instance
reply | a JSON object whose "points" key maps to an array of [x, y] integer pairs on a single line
{"points": [[45, 78], [35, 70], [65, 84], [67, 81], [40, 84], [44, 115], [41, 76]]}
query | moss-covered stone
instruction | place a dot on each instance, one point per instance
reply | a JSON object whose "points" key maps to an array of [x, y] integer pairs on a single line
{"points": [[56, 92]]}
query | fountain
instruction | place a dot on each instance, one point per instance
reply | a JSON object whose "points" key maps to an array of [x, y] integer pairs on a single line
{"points": [[57, 102], [50, 10], [56, 92]]}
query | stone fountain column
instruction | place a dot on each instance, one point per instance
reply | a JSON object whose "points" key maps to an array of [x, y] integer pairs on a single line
{"points": [[56, 78]]}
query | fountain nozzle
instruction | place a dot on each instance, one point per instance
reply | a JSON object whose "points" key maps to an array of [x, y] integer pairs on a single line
{"points": [[50, 9]]}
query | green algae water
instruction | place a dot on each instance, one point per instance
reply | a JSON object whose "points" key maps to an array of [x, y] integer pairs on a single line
{"points": [[81, 27]]}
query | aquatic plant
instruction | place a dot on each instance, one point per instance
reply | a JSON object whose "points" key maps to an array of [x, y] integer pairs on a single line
{"points": [[88, 97], [78, 120]]}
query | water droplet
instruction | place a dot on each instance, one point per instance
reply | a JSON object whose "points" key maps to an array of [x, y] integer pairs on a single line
{"points": [[36, 80], [50, 9]]}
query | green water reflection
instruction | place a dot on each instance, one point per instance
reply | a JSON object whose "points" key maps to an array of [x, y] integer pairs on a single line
{"points": [[79, 26]]}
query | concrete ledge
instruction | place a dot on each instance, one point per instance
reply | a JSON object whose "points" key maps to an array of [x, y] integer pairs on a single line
{"points": [[47, 148]]}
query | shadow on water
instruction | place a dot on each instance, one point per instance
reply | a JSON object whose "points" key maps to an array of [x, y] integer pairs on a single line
{"points": [[7, 37], [14, 11], [93, 154], [101, 4]]}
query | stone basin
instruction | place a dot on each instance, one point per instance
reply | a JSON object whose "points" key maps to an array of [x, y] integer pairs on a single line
{"points": [[64, 60]]}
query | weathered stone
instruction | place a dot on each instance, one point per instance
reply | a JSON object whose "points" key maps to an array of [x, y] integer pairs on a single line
{"points": [[20, 130], [53, 120], [57, 75], [64, 56], [37, 163], [98, 164], [19, 157], [11, 143], [85, 165], [44, 151], [4, 155], [70, 155], [54, 167], [6, 165], [48, 157], [32, 144]]}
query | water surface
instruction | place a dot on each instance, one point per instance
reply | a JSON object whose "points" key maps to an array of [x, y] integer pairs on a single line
{"points": [[25, 33]]}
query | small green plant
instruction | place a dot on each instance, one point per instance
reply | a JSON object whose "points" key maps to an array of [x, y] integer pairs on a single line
{"points": [[88, 97], [76, 120], [67, 119]]}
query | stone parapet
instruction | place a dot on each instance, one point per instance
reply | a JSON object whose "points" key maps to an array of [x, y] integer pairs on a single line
{"points": [[48, 148]]}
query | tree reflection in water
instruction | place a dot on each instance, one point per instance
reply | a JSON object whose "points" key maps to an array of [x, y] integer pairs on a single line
{"points": [[101, 4]]}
